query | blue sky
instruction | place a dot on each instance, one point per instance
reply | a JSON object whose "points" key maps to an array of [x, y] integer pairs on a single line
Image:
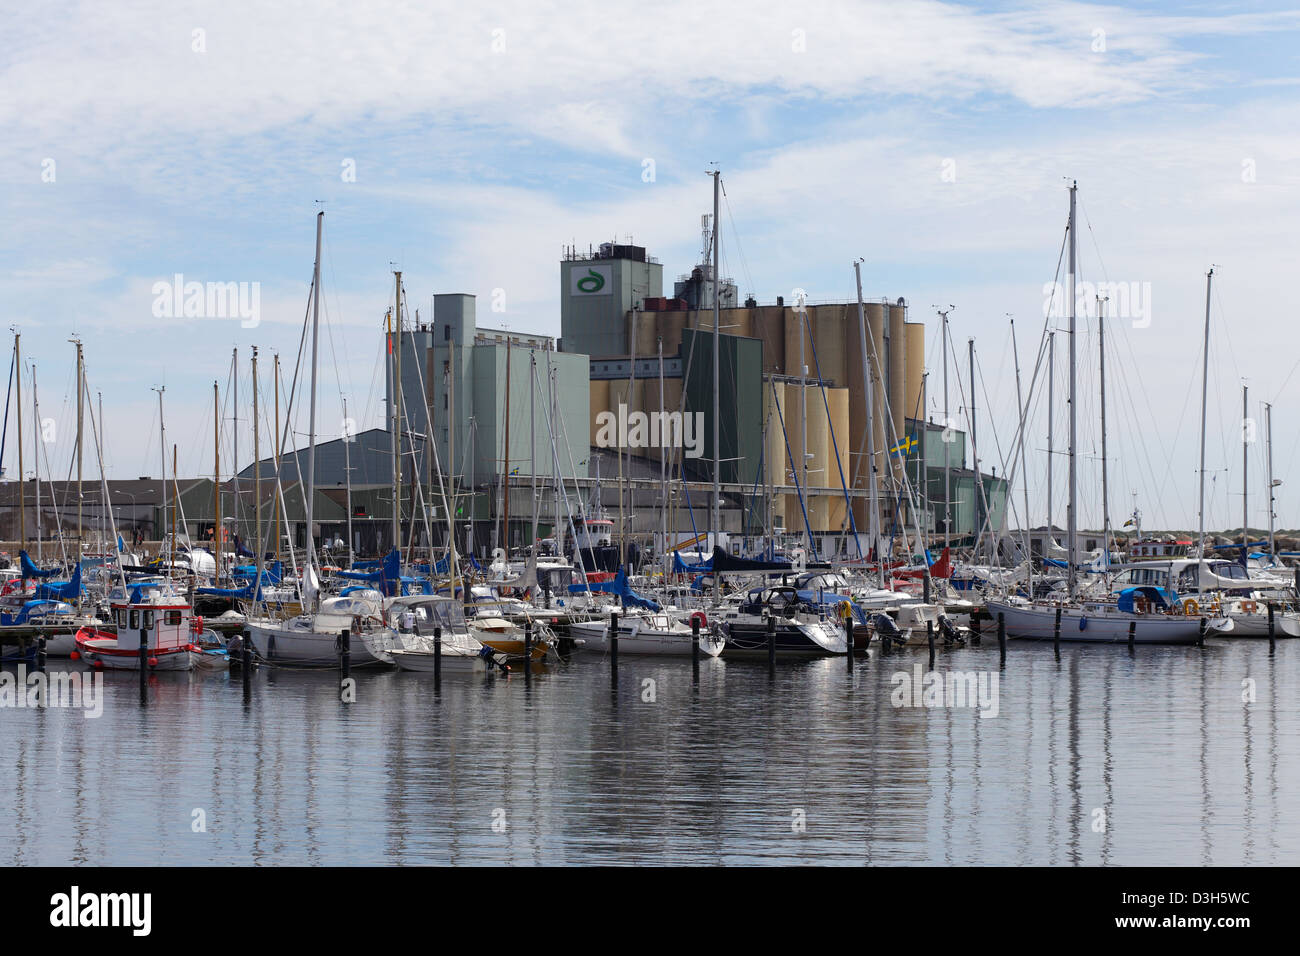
{"points": [[932, 139]]}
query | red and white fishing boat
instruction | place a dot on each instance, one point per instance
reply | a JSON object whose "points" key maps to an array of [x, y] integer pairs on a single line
{"points": [[151, 607]]}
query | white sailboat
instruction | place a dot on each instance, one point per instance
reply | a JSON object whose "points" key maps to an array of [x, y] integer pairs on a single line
{"points": [[1148, 615], [313, 637]]}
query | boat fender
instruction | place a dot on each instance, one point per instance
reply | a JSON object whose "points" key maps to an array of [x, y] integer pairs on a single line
{"points": [[1083, 623], [153, 662]]}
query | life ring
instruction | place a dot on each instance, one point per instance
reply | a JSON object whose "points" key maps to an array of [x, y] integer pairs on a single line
{"points": [[1191, 608], [1249, 607], [702, 618]]}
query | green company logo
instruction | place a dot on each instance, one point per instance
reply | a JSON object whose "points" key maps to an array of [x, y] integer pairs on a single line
{"points": [[593, 282]]}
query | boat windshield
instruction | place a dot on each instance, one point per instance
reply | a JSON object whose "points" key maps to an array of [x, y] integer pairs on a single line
{"points": [[449, 615]]}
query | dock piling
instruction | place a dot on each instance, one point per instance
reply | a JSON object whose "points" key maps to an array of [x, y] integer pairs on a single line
{"points": [[1056, 634], [246, 659], [613, 647], [1271, 628], [437, 654], [695, 647], [144, 667], [40, 652], [528, 648], [929, 639], [1200, 638], [345, 654], [771, 644], [1002, 639]]}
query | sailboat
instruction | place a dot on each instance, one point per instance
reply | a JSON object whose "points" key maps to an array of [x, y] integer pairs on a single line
{"points": [[1146, 614], [313, 637]]}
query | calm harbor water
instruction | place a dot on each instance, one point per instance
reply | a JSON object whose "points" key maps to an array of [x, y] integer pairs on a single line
{"points": [[1101, 758]]}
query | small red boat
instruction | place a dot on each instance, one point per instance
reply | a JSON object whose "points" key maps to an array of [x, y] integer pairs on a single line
{"points": [[165, 620]]}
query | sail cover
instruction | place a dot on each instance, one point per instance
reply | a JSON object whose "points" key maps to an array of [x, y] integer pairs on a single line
{"points": [[30, 570], [724, 563]]}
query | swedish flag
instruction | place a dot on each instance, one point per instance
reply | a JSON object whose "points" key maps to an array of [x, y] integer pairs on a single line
{"points": [[904, 447]]}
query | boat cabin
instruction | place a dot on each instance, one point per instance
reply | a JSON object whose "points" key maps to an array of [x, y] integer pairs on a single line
{"points": [[1151, 549], [152, 608]]}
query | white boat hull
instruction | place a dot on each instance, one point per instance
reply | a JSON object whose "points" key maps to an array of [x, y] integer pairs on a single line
{"points": [[636, 637], [289, 645], [423, 661], [1098, 626]]}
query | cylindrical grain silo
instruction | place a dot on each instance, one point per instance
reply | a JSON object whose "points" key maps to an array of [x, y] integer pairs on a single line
{"points": [[838, 399], [599, 390], [898, 383], [769, 325], [774, 444], [819, 477], [916, 370], [877, 318]]}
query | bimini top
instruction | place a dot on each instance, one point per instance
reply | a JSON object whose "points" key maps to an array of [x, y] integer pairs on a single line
{"points": [[1161, 598]]}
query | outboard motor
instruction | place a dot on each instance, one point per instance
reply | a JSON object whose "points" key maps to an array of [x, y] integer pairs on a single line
{"points": [[949, 631], [886, 629]]}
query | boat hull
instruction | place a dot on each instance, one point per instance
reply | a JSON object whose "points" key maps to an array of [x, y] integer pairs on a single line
{"points": [[640, 640], [750, 639], [103, 652], [287, 645], [1100, 627], [424, 662]]}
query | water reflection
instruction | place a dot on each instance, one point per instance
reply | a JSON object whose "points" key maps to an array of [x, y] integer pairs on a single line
{"points": [[814, 765]]}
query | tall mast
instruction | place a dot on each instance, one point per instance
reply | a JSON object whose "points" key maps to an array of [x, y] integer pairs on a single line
{"points": [[162, 461], [868, 384], [311, 419], [1051, 406], [397, 409], [947, 452], [631, 386], [176, 498], [1015, 352], [257, 484], [104, 533], [216, 482], [236, 510], [717, 365], [81, 404], [1073, 522], [451, 452], [1105, 496], [277, 440], [532, 442], [1205, 384], [505, 479], [22, 475], [803, 428], [922, 481], [347, 474], [1245, 465], [36, 454], [1268, 437], [663, 459], [977, 525]]}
